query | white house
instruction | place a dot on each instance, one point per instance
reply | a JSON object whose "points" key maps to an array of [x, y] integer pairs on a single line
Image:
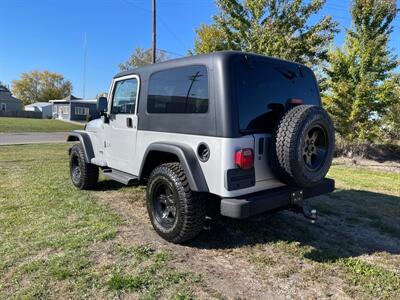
{"points": [[45, 108]]}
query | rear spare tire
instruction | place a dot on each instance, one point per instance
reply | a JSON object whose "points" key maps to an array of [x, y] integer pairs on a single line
{"points": [[302, 146]]}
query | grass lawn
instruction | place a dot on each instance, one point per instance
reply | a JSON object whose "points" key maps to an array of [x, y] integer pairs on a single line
{"points": [[58, 242], [35, 125]]}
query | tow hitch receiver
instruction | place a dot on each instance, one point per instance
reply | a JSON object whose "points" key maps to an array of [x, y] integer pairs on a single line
{"points": [[298, 205]]}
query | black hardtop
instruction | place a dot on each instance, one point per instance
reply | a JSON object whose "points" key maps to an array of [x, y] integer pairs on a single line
{"points": [[219, 57], [222, 116]]}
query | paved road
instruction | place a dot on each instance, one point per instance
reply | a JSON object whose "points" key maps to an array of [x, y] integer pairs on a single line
{"points": [[32, 138]]}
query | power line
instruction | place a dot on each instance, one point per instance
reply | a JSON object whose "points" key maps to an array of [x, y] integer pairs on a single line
{"points": [[171, 32], [84, 65], [170, 52], [162, 21]]}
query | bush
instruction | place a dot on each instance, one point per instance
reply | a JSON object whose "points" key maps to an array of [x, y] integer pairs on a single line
{"points": [[379, 152]]}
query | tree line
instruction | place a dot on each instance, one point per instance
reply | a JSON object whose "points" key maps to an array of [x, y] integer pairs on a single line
{"points": [[359, 84], [40, 86]]}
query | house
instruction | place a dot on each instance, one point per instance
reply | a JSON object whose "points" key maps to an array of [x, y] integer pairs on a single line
{"points": [[45, 108], [8, 103], [75, 109]]}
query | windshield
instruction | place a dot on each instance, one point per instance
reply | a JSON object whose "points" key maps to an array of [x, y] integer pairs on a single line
{"points": [[263, 88]]}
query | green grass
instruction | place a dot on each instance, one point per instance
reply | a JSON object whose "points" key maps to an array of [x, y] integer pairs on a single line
{"points": [[152, 276], [35, 125], [49, 231], [375, 281], [366, 179], [59, 242]]}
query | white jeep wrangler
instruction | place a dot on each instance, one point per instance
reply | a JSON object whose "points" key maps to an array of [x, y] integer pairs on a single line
{"points": [[244, 131]]}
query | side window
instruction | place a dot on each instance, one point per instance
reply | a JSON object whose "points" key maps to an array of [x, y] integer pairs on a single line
{"points": [[179, 90], [124, 96]]}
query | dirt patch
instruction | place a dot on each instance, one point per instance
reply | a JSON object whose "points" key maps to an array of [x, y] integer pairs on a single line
{"points": [[386, 166], [271, 256], [219, 269]]}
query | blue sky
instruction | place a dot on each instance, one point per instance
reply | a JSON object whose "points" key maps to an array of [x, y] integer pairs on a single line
{"points": [[49, 34]]}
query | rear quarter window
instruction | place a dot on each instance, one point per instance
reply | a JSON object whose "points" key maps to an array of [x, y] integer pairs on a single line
{"points": [[179, 90]]}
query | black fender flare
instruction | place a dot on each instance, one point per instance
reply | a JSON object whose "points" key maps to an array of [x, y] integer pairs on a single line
{"points": [[188, 160], [85, 141]]}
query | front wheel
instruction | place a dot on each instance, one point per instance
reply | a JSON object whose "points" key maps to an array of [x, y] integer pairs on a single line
{"points": [[83, 175], [176, 213]]}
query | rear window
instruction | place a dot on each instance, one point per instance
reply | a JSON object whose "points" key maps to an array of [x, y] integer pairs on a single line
{"points": [[265, 87], [179, 90]]}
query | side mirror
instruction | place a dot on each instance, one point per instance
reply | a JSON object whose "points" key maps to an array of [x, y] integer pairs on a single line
{"points": [[102, 105]]}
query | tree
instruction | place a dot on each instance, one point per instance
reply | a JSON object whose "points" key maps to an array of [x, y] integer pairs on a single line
{"points": [[41, 86], [391, 118], [3, 85], [360, 85], [209, 39], [272, 27], [141, 57]]}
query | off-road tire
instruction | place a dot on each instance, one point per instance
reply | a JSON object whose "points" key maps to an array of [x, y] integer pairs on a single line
{"points": [[88, 173], [288, 142], [190, 206]]}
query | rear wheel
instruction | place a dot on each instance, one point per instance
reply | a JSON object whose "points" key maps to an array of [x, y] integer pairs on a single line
{"points": [[176, 213], [302, 146], [83, 175]]}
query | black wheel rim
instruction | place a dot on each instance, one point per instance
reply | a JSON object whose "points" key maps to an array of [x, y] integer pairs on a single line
{"points": [[315, 147], [164, 201], [75, 169]]}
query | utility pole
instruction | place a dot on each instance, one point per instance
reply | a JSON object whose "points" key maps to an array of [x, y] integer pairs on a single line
{"points": [[154, 48], [84, 66]]}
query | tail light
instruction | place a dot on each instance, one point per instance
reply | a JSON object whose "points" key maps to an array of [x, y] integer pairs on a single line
{"points": [[244, 158]]}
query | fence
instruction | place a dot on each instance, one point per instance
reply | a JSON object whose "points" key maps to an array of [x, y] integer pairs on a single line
{"points": [[21, 114]]}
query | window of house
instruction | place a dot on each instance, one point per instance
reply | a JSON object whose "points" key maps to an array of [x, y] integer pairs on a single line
{"points": [[124, 97], [81, 111], [3, 107], [179, 90], [64, 110]]}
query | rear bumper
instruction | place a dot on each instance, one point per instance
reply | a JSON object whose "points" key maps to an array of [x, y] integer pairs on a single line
{"points": [[278, 198]]}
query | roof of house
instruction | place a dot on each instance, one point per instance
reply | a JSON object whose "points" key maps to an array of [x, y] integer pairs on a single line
{"points": [[88, 101], [39, 104], [72, 98], [6, 96]]}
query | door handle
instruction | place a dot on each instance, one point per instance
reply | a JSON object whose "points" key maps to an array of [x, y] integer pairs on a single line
{"points": [[129, 122]]}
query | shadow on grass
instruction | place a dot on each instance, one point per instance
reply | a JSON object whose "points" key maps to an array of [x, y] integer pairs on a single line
{"points": [[108, 185], [351, 223]]}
